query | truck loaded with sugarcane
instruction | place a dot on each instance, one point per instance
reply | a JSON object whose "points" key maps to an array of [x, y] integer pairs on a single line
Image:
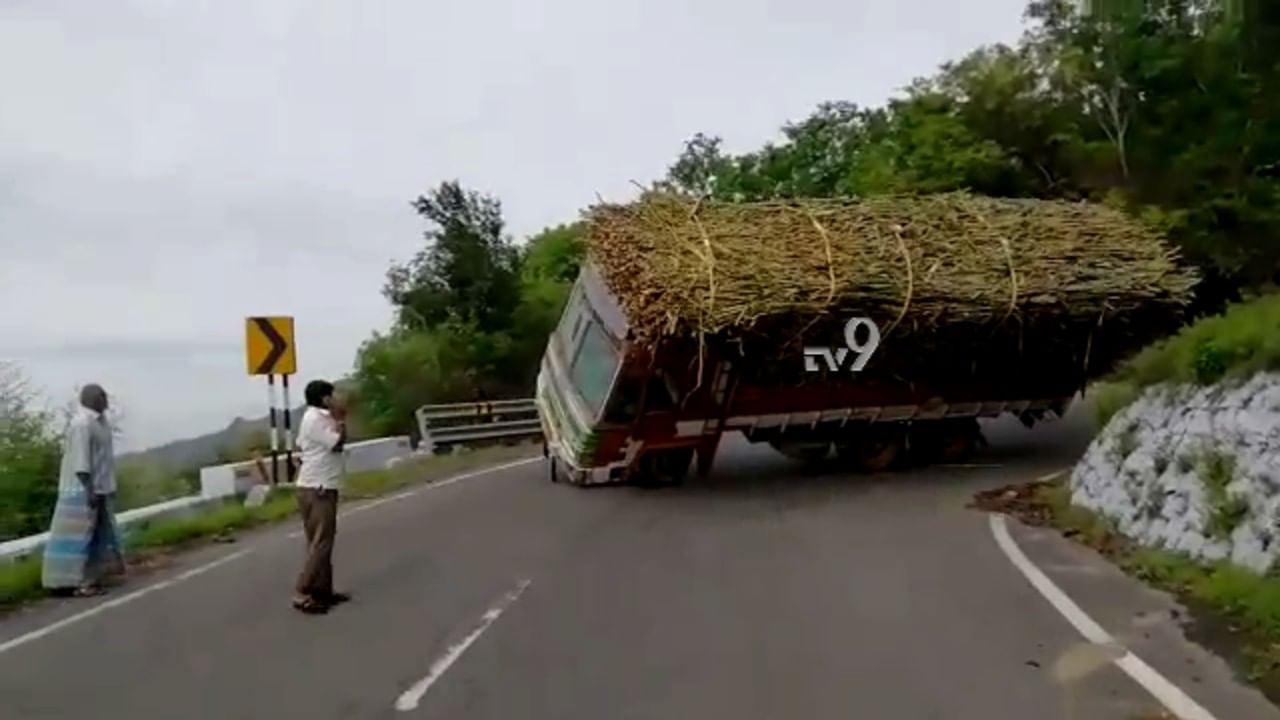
{"points": [[883, 328]]}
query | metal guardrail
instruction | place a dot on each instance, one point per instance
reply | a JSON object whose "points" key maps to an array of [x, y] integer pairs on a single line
{"points": [[446, 425]]}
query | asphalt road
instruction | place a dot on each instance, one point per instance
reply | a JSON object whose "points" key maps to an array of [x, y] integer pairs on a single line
{"points": [[767, 592]]}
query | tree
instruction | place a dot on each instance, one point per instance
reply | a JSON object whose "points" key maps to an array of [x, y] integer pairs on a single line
{"points": [[1180, 96], [700, 168], [554, 254], [30, 453], [1166, 108], [398, 372], [467, 272]]}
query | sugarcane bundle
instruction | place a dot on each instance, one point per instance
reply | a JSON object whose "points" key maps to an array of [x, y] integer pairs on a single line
{"points": [[685, 267]]}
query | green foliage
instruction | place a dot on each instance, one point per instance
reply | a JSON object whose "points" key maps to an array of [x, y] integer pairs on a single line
{"points": [[453, 353], [1226, 512], [20, 581], [1109, 398], [1209, 363], [1167, 108], [468, 270], [1243, 340], [404, 369], [1226, 516], [30, 453], [140, 483], [1125, 443], [553, 254], [1093, 529], [1217, 471]]}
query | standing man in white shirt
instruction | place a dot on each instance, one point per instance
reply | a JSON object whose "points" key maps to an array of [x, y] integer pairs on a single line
{"points": [[322, 434]]}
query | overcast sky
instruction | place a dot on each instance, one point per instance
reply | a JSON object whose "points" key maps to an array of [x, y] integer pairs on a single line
{"points": [[167, 168]]}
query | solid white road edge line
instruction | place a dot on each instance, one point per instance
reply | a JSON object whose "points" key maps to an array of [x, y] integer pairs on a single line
{"points": [[429, 486], [51, 628], [117, 602], [1169, 695], [438, 484], [410, 698]]}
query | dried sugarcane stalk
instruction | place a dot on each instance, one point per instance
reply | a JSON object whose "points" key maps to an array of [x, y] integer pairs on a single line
{"points": [[697, 268]]}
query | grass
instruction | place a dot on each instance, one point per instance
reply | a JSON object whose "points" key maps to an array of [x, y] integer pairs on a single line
{"points": [[1126, 443], [1108, 398], [220, 520], [20, 580], [1248, 602], [1226, 512], [1236, 344]]}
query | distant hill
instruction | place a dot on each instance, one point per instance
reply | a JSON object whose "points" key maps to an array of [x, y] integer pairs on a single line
{"points": [[205, 450]]}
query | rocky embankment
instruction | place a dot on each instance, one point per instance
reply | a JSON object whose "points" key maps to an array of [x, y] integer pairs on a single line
{"points": [[1192, 469]]}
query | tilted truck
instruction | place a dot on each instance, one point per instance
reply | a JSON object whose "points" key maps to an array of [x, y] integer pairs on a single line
{"points": [[821, 325]]}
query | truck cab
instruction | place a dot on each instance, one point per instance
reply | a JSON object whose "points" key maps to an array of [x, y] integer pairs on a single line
{"points": [[583, 422]]}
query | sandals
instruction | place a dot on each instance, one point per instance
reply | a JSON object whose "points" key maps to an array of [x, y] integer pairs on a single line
{"points": [[310, 606]]}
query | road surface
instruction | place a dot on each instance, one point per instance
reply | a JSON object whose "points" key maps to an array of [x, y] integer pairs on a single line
{"points": [[766, 592]]}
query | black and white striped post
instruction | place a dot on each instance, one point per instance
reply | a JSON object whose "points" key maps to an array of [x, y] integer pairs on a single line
{"points": [[275, 437], [288, 430]]}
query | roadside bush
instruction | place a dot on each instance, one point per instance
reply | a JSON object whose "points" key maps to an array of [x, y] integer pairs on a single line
{"points": [[1109, 398], [1243, 340], [1236, 344], [29, 459], [30, 453], [139, 484]]}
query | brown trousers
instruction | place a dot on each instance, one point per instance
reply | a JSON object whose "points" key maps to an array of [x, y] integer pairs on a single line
{"points": [[319, 509]]}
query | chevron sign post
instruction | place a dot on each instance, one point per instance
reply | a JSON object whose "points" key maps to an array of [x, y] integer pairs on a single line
{"points": [[270, 351]]}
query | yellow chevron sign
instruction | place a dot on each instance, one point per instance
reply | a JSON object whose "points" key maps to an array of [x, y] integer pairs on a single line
{"points": [[269, 346]]}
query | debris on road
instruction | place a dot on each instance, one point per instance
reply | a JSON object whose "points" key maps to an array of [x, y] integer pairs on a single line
{"points": [[1020, 501]]}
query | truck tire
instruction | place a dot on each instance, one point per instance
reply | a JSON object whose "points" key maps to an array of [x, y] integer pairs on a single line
{"points": [[875, 448], [665, 468], [924, 441], [808, 452], [960, 441], [944, 441]]}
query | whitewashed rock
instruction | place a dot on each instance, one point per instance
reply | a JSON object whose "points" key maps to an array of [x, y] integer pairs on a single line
{"points": [[257, 495], [1215, 550], [1143, 471]]}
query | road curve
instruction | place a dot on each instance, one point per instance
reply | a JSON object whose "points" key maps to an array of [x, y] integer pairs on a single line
{"points": [[769, 591]]}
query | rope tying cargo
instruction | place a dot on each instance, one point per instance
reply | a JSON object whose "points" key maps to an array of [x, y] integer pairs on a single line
{"points": [[906, 303]]}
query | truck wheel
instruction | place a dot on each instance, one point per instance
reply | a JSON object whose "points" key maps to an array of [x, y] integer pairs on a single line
{"points": [[665, 468], [873, 449], [924, 441], [960, 441], [809, 452], [945, 441]]}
